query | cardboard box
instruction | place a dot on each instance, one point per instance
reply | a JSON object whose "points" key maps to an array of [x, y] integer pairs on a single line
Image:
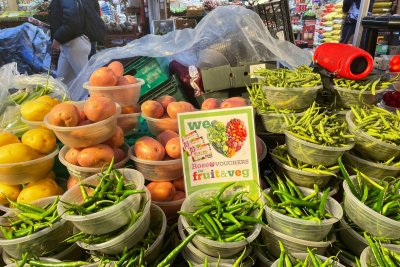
{"points": [[382, 62], [226, 77]]}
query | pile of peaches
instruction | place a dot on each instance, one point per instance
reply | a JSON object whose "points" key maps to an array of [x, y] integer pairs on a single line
{"points": [[96, 109], [166, 146], [110, 81]]}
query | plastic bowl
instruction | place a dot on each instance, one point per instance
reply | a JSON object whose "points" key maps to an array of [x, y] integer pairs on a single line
{"points": [[304, 178], [367, 259], [197, 256], [170, 208], [163, 170], [355, 242], [109, 219], [371, 146], [158, 227], [152, 252], [346, 98], [123, 95], [157, 126], [388, 108], [263, 261], [86, 135], [208, 246], [41, 242], [371, 169], [304, 229], [366, 218], [270, 239], [84, 172], [264, 151], [312, 153], [302, 256], [291, 98], [275, 122], [27, 171], [129, 123], [126, 239], [32, 124], [396, 80]]}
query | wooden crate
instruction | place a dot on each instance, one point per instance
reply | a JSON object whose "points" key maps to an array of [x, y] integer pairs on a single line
{"points": [[120, 39]]}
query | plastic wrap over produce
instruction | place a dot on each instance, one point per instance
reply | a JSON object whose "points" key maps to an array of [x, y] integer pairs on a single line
{"points": [[26, 45], [16, 89], [235, 32]]}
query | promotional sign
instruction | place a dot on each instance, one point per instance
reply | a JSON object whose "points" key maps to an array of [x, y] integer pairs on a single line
{"points": [[219, 147]]}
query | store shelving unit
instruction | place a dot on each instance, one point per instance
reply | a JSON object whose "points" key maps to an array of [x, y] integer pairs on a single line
{"points": [[276, 17]]}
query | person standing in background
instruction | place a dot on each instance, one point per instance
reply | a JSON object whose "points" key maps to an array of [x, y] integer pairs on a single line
{"points": [[352, 8], [94, 43], [67, 27]]}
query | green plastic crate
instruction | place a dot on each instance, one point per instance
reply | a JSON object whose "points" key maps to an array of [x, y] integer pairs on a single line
{"points": [[154, 71]]}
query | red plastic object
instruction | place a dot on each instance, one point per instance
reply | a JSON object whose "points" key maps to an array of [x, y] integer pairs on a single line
{"points": [[394, 65], [344, 60]]}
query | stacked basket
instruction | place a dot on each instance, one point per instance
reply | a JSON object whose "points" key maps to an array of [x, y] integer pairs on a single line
{"points": [[116, 218], [310, 156], [281, 95], [297, 234], [372, 154], [125, 93], [203, 246]]}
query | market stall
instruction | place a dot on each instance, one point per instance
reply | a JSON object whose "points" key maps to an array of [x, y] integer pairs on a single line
{"points": [[203, 147]]}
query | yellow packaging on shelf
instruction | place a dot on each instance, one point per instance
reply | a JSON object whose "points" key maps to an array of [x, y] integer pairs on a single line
{"points": [[337, 26], [329, 16]]}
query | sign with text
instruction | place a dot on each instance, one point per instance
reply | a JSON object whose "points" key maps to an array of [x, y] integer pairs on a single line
{"points": [[219, 147]]}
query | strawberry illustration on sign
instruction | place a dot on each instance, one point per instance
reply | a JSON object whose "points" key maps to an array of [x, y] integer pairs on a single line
{"points": [[227, 139]]}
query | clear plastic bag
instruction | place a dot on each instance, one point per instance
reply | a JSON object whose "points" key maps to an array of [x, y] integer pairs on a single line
{"points": [[18, 89], [236, 32]]}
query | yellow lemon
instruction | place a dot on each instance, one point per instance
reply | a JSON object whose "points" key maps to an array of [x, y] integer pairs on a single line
{"points": [[11, 191], [39, 189], [8, 138], [46, 98], [35, 110], [41, 140], [17, 152]]}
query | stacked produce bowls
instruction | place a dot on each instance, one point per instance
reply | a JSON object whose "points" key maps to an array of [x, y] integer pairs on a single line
{"points": [[298, 232], [281, 95], [110, 82], [224, 244]]}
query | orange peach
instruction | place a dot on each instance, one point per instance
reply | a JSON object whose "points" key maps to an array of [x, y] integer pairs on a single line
{"points": [[173, 147], [99, 108], [165, 136], [148, 148], [164, 100], [152, 109]]}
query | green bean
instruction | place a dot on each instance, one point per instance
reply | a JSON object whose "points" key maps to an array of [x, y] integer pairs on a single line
{"points": [[238, 216], [281, 152], [378, 123], [318, 127], [310, 207], [172, 255], [38, 263], [111, 189]]}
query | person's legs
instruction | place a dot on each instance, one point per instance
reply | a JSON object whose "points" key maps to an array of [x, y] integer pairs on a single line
{"points": [[347, 33], [78, 52], [64, 69], [92, 49]]}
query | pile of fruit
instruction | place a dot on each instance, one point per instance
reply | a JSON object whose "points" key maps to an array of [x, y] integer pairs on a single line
{"points": [[33, 145]]}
